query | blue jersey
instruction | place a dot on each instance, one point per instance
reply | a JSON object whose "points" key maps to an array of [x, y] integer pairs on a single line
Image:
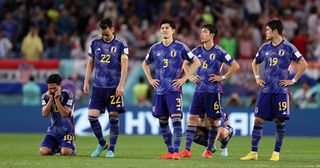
{"points": [[276, 63], [59, 125], [107, 61], [168, 64], [211, 63]]}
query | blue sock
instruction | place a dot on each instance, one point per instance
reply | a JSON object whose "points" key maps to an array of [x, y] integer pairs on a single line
{"points": [[177, 133], [224, 143], [200, 140], [189, 136], [166, 134], [114, 131], [212, 135], [96, 128], [256, 136], [279, 135]]}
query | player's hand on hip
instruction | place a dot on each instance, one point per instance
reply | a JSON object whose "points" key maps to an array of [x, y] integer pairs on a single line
{"points": [[285, 83], [179, 82], [195, 79], [215, 78], [154, 82], [120, 90], [86, 88], [260, 82]]}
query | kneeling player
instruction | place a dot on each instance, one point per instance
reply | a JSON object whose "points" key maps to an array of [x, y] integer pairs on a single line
{"points": [[58, 104], [224, 134]]}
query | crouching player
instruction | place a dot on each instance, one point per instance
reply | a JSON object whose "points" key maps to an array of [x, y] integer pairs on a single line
{"points": [[224, 134], [58, 104]]}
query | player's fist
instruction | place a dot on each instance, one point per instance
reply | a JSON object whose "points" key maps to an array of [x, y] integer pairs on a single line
{"points": [[86, 88], [50, 94], [57, 94], [120, 90]]}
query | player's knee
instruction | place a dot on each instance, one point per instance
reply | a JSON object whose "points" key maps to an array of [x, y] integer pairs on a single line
{"points": [[259, 120], [44, 151], [279, 120], [193, 119], [114, 113], [66, 152], [163, 122]]}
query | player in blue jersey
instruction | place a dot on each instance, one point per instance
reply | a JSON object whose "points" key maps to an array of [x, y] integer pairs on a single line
{"points": [[108, 55], [207, 97], [58, 104], [273, 100], [224, 134], [168, 57]]}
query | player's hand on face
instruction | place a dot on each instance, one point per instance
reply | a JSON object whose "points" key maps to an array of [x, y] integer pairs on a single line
{"points": [[215, 78], [154, 83], [120, 90], [86, 88], [260, 82], [57, 94], [179, 82], [285, 83], [49, 94], [195, 79]]}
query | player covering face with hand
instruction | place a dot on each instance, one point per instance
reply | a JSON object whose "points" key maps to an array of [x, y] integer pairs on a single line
{"points": [[57, 103]]}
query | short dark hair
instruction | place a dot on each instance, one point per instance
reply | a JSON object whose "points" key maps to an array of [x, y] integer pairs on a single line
{"points": [[167, 21], [54, 78], [212, 28], [276, 25], [105, 23]]}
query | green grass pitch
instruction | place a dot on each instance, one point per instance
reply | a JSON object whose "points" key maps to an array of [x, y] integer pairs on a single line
{"points": [[21, 150]]}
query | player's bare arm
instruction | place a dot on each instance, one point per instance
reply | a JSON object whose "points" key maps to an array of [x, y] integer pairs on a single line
{"points": [[233, 69], [153, 82], [47, 107], [124, 70], [195, 65], [89, 69], [192, 78], [64, 111], [302, 66], [255, 70]]}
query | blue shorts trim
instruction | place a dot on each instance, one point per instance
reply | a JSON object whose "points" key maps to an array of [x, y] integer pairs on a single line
{"points": [[56, 143], [102, 98], [273, 105], [167, 104], [206, 104]]}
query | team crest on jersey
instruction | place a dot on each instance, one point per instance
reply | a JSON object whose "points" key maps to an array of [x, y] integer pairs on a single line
{"points": [[113, 49], [281, 52], [173, 53], [212, 56]]}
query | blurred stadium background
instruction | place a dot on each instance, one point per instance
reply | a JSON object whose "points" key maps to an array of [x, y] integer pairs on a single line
{"points": [[41, 37]]}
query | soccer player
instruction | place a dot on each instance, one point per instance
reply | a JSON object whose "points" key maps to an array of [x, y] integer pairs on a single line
{"points": [[58, 104], [108, 55], [224, 134], [168, 56], [207, 97], [273, 100]]}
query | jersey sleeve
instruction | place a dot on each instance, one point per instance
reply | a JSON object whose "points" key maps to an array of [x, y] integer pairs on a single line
{"points": [[259, 56], [295, 55], [91, 49], [44, 99], [225, 57], [125, 48], [186, 53], [150, 56], [68, 99]]}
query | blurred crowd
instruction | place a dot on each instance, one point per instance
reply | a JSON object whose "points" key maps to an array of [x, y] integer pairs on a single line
{"points": [[54, 29], [63, 29]]}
